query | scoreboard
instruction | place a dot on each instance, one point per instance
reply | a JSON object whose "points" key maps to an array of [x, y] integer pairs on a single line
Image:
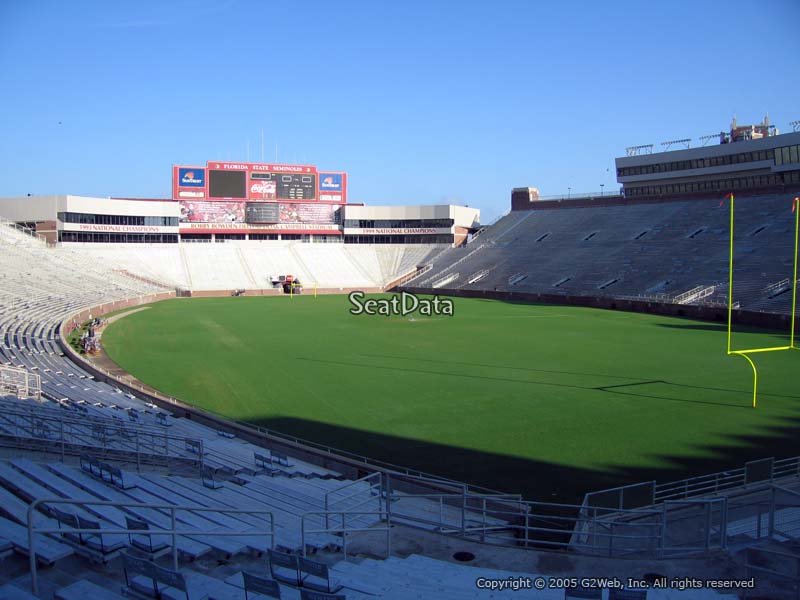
{"points": [[289, 187], [262, 212], [258, 182]]}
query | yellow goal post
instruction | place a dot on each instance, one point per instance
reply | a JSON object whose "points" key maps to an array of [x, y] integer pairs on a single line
{"points": [[294, 285], [746, 352]]}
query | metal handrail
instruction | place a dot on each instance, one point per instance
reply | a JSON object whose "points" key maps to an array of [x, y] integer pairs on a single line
{"points": [[24, 409], [784, 490], [773, 509], [595, 195], [364, 479], [534, 520], [709, 483], [352, 483], [26, 230], [20, 382], [344, 530], [173, 532], [750, 567], [69, 432], [441, 481]]}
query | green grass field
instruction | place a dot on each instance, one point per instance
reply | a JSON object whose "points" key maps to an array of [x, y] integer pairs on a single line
{"points": [[550, 401]]}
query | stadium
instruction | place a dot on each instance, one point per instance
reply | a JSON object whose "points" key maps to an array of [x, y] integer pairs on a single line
{"points": [[197, 403]]}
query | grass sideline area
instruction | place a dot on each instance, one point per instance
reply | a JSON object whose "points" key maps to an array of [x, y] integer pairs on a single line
{"points": [[549, 401]]}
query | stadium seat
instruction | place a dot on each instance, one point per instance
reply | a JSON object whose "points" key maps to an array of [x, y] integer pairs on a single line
{"points": [[315, 576], [260, 585], [144, 541], [284, 568]]}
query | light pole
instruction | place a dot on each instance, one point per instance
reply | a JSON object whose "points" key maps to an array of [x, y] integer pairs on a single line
{"points": [[601, 188], [569, 191]]}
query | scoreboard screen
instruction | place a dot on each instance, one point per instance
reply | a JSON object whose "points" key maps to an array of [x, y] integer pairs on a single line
{"points": [[227, 184], [290, 186], [262, 212]]}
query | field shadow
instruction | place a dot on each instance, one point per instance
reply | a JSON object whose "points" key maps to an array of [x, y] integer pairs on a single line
{"points": [[540, 480]]}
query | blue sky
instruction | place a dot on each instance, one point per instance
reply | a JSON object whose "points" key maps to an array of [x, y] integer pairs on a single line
{"points": [[420, 102]]}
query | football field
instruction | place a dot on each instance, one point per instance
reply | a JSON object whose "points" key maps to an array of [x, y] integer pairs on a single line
{"points": [[549, 401]]}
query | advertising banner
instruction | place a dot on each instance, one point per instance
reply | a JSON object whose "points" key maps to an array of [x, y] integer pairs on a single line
{"points": [[327, 228], [188, 182], [332, 187], [235, 212], [211, 212], [263, 190], [330, 182], [191, 177], [396, 230], [307, 213], [96, 227]]}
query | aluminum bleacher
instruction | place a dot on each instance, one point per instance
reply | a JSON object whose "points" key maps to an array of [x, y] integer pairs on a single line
{"points": [[632, 251], [250, 264]]}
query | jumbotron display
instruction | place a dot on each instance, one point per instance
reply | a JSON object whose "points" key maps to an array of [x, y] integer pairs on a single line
{"points": [[227, 184], [262, 212], [258, 182]]}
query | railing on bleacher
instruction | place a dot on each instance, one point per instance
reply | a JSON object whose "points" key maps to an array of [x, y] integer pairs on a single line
{"points": [[94, 436], [306, 531], [172, 531], [26, 230], [334, 498], [757, 471], [619, 526], [20, 383], [767, 563]]}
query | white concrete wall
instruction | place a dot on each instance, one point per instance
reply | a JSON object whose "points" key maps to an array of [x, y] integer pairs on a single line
{"points": [[441, 211], [31, 208], [114, 206], [46, 208], [463, 215]]}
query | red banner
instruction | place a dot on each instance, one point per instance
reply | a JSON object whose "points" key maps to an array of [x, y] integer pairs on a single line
{"points": [[318, 228], [211, 212], [307, 213], [261, 167], [234, 212], [262, 190]]}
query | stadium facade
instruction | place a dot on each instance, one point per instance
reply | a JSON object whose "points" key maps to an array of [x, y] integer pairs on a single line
{"points": [[241, 201], [751, 157]]}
